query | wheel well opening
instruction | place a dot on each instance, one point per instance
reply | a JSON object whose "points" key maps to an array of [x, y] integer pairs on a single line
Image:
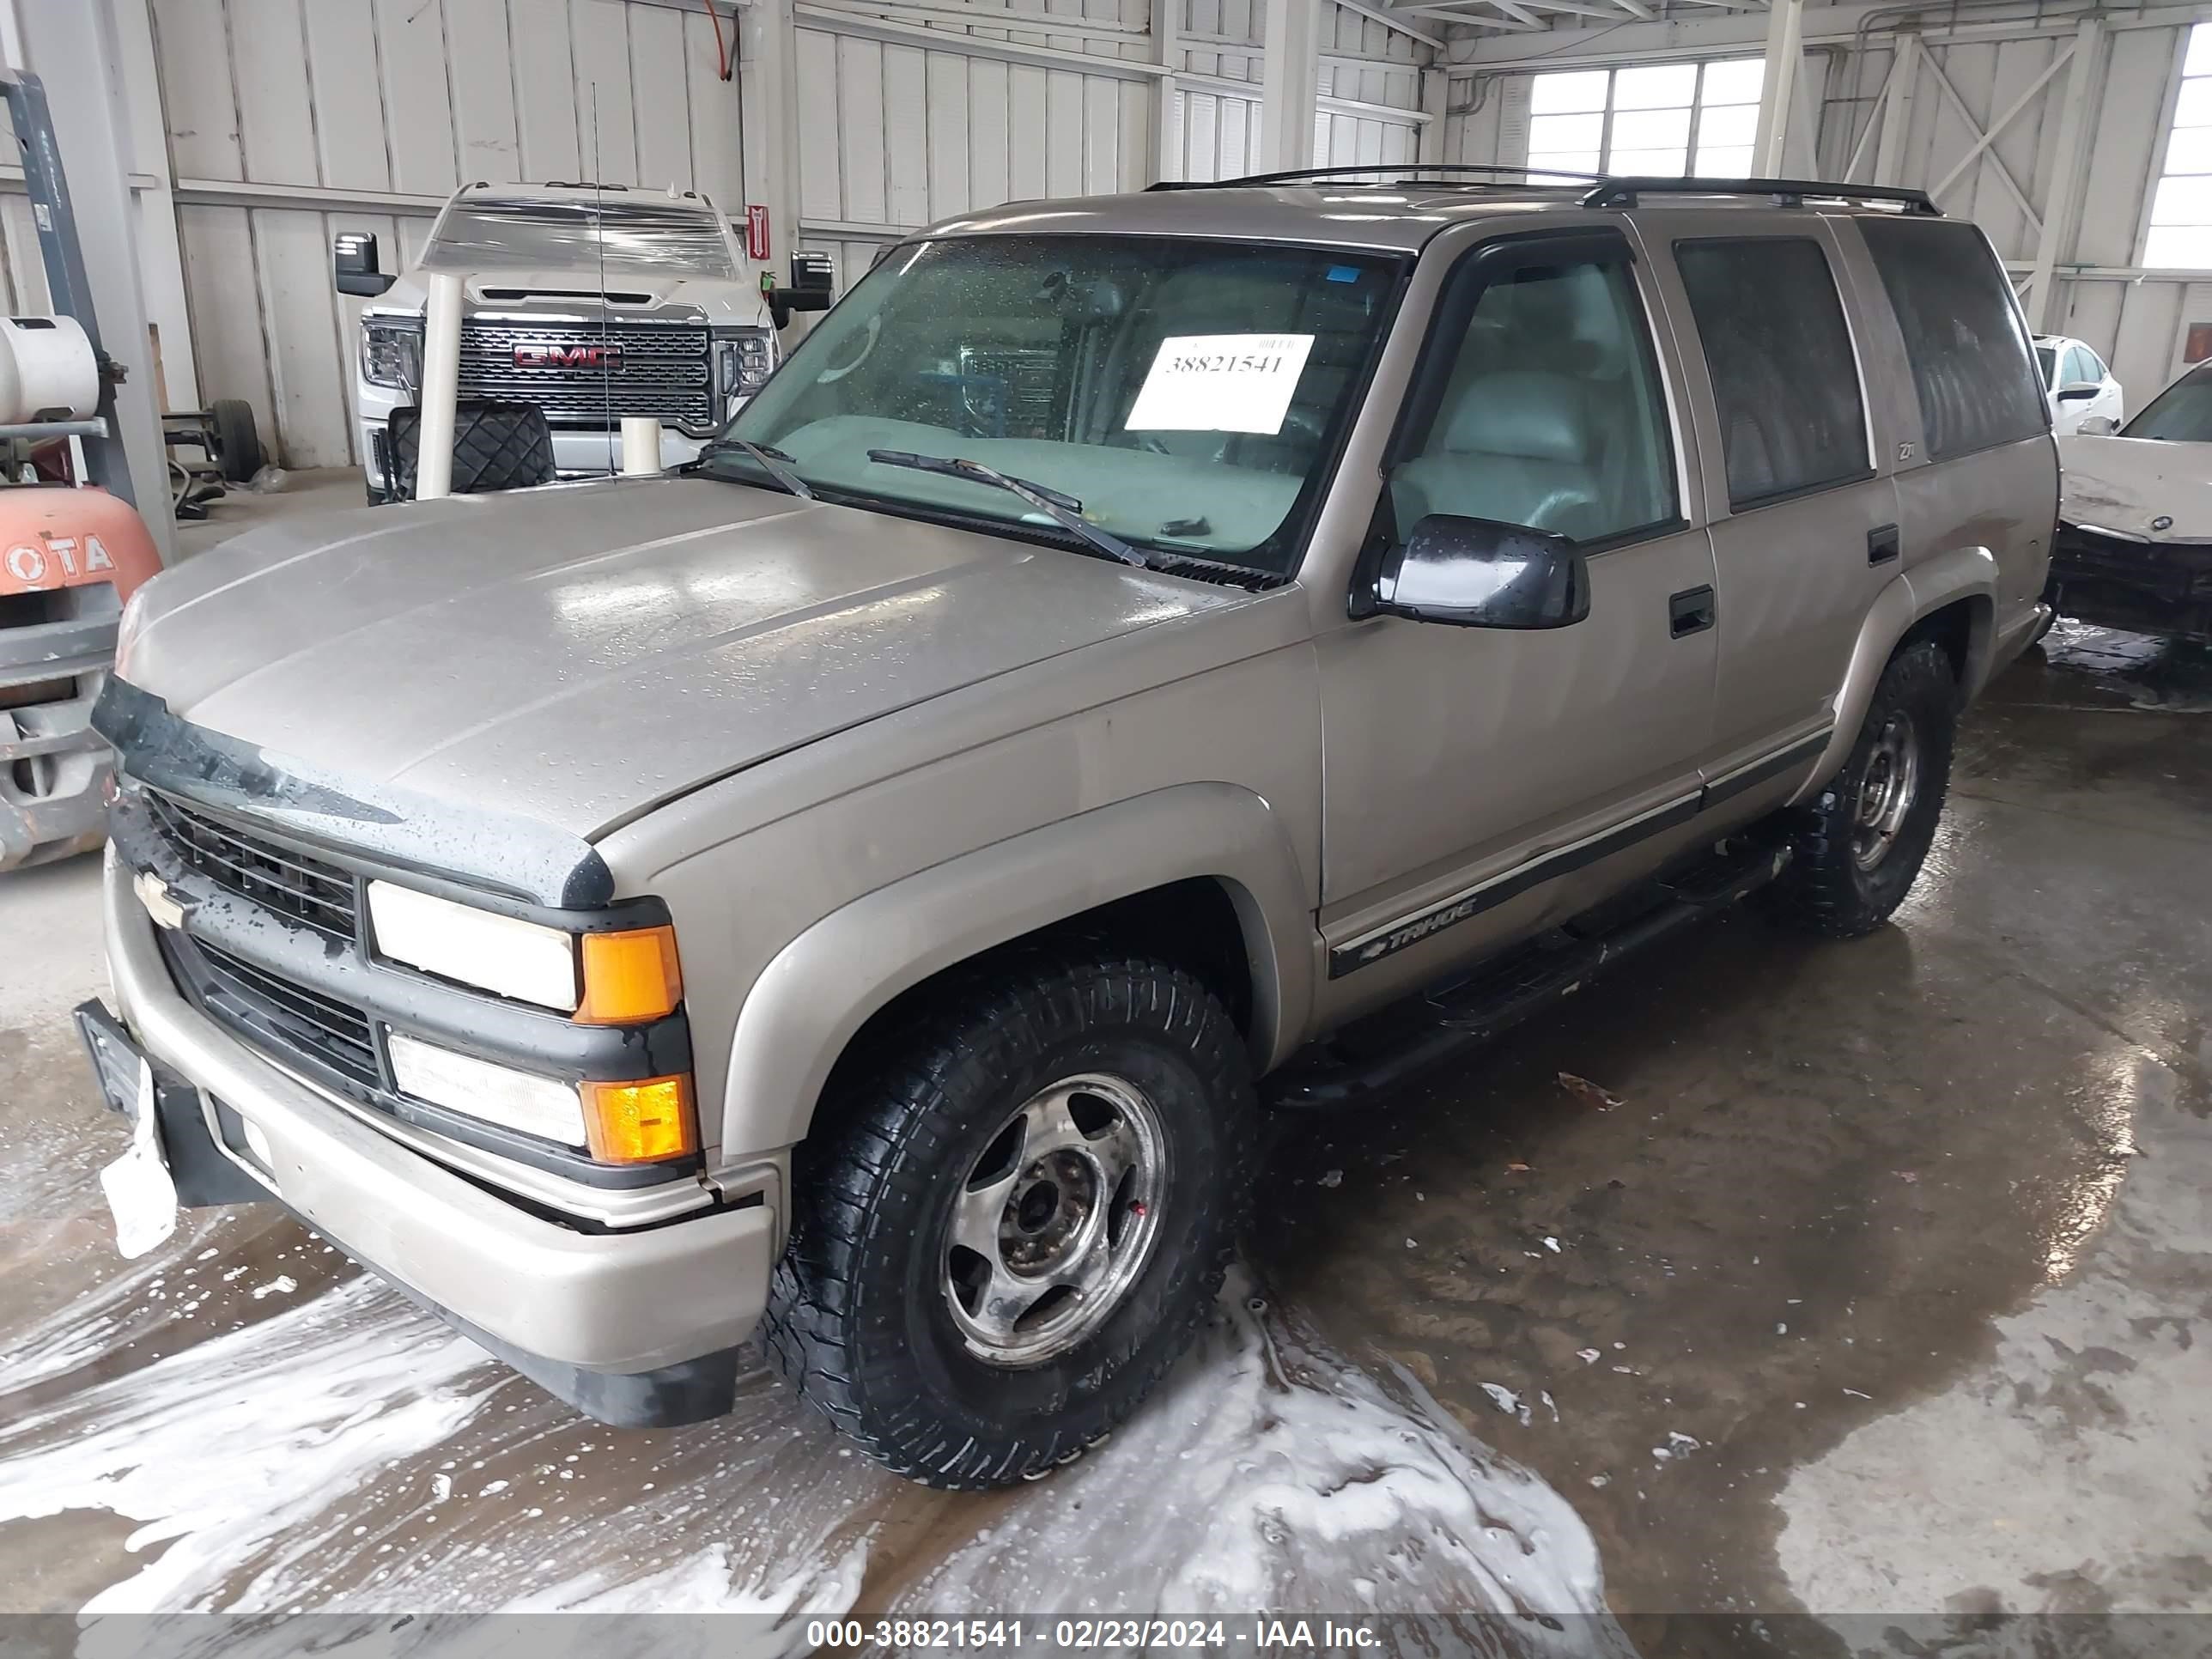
{"points": [[1956, 630], [1192, 923]]}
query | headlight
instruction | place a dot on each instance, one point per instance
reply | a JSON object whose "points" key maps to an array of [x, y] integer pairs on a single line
{"points": [[625, 977], [744, 359], [515, 958], [540, 1106], [392, 350]]}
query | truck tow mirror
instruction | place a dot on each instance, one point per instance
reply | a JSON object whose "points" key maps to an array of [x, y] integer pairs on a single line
{"points": [[353, 258], [1474, 573], [813, 287]]}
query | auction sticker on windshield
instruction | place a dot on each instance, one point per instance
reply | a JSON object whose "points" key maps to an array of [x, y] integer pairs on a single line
{"points": [[1221, 383]]}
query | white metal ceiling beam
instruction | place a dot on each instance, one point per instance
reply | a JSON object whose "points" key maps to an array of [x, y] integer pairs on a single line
{"points": [[2066, 170], [1777, 92], [1897, 110], [1390, 21], [1289, 84], [1463, 11]]}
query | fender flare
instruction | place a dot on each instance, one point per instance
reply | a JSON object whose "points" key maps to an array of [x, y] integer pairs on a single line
{"points": [[1962, 573], [816, 992]]}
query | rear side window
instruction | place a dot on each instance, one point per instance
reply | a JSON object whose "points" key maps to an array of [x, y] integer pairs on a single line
{"points": [[1784, 378], [1973, 366]]}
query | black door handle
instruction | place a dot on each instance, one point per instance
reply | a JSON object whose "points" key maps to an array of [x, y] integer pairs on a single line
{"points": [[1690, 612], [1881, 543]]}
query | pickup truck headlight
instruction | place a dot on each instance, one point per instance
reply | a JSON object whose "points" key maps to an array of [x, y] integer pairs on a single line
{"points": [[515, 958], [392, 350], [744, 359]]}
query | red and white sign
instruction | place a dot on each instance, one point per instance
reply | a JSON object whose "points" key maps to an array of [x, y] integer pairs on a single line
{"points": [[756, 231]]}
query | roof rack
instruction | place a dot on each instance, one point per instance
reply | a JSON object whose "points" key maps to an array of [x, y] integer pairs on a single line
{"points": [[1415, 169], [1788, 192]]}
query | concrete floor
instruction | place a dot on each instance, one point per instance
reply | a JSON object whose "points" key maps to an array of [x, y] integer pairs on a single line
{"points": [[1874, 1293]]}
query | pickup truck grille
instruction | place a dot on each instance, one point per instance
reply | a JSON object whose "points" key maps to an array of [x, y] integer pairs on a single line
{"points": [[275, 1014], [660, 369], [293, 884]]}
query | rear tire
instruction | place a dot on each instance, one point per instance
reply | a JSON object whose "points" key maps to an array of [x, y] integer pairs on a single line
{"points": [[1017, 1218], [1858, 845]]}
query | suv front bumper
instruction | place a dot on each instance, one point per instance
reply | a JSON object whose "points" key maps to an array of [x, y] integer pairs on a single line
{"points": [[635, 1327]]}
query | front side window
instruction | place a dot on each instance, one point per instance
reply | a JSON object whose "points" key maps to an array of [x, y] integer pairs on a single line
{"points": [[2182, 414], [1550, 414], [1972, 371], [1187, 395], [1785, 380]]}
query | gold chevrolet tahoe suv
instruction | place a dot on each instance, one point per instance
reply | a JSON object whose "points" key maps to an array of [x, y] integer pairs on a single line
{"points": [[867, 884]]}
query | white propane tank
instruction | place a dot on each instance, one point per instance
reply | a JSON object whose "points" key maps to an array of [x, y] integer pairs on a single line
{"points": [[46, 370]]}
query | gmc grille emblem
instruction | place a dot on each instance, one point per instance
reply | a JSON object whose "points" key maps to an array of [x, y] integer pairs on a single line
{"points": [[568, 356]]}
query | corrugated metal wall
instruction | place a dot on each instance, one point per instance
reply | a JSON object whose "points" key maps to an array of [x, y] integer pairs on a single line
{"points": [[1369, 72], [2137, 320], [296, 102]]}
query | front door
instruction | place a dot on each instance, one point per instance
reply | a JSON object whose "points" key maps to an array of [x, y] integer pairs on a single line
{"points": [[1467, 769]]}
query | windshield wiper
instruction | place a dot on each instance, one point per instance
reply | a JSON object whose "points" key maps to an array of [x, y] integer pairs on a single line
{"points": [[773, 462], [1063, 510]]}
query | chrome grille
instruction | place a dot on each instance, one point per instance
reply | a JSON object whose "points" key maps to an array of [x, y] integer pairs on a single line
{"points": [[664, 370], [295, 884]]}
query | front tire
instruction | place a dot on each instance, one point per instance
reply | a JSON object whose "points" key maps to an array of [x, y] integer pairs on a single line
{"points": [[1858, 845], [1017, 1218]]}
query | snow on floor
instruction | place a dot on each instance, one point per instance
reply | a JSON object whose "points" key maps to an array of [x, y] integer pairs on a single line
{"points": [[1270, 1473], [349, 1455]]}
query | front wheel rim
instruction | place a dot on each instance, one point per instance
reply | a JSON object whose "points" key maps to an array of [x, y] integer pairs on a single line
{"points": [[1056, 1220], [1888, 789]]}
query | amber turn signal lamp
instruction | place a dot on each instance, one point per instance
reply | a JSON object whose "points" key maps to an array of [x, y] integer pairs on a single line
{"points": [[629, 977], [639, 1122]]}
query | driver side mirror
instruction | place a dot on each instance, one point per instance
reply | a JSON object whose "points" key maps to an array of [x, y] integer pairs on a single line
{"points": [[1474, 573], [2078, 391], [2097, 426], [353, 261]]}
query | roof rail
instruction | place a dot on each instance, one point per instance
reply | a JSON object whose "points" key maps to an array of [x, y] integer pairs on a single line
{"points": [[1788, 192], [1415, 169]]}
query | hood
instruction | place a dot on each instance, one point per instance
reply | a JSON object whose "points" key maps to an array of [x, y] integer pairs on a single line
{"points": [[2125, 485], [560, 290], [581, 653]]}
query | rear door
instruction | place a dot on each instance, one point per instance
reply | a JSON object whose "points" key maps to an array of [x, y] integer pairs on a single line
{"points": [[1805, 520], [1982, 480]]}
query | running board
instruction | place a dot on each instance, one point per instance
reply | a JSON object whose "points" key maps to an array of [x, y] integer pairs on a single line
{"points": [[1393, 1046]]}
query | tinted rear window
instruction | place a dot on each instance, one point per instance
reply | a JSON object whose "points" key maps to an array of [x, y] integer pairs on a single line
{"points": [[1784, 379], [1973, 366]]}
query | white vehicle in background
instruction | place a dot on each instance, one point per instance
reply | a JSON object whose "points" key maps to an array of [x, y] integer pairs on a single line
{"points": [[2079, 386], [2134, 547], [591, 302]]}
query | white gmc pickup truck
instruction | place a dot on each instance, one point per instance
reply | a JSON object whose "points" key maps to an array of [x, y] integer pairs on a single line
{"points": [[592, 302]]}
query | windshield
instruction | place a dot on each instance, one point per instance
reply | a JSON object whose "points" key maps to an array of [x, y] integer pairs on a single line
{"points": [[1187, 394], [2047, 359], [2182, 414], [649, 234]]}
